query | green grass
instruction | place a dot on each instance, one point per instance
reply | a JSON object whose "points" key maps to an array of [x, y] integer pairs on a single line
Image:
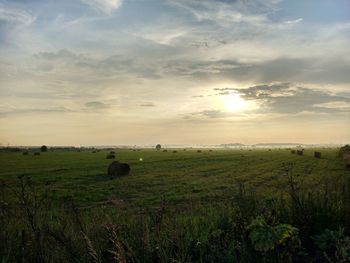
{"points": [[175, 177], [220, 206]]}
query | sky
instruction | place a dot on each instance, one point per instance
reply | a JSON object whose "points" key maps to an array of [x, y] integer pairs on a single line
{"points": [[141, 72]]}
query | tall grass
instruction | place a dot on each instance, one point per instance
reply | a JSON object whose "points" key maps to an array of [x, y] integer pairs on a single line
{"points": [[300, 225]]}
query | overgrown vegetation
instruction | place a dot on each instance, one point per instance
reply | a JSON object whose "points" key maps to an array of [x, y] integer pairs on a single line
{"points": [[300, 222]]}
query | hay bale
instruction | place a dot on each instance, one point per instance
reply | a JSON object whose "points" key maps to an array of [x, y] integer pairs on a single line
{"points": [[165, 151], [317, 154], [292, 151], [344, 151], [210, 150], [347, 162], [117, 169], [174, 151], [110, 156], [346, 155], [300, 152], [199, 151]]}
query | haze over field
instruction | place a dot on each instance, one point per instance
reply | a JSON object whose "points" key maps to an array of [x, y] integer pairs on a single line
{"points": [[98, 72]]}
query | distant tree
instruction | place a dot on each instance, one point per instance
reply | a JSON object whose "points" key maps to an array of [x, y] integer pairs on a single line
{"points": [[158, 147], [43, 148]]}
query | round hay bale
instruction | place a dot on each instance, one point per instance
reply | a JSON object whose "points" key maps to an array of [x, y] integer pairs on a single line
{"points": [[117, 169], [347, 162], [344, 150], [199, 151], [317, 154], [346, 155], [174, 151], [110, 156]]}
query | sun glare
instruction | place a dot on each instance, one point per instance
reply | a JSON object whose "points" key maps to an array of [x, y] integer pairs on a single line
{"points": [[234, 102]]}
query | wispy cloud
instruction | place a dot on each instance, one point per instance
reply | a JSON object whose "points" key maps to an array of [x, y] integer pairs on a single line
{"points": [[288, 98], [106, 6], [225, 12], [147, 104], [150, 63], [96, 105], [296, 21], [29, 111], [15, 15]]}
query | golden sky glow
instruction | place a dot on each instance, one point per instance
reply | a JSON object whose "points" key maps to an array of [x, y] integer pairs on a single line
{"points": [[93, 72]]}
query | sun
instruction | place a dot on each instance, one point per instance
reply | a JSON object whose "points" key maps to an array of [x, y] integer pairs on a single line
{"points": [[233, 102]]}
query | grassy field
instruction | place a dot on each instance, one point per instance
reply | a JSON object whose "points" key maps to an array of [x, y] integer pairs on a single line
{"points": [[187, 196], [175, 177]]}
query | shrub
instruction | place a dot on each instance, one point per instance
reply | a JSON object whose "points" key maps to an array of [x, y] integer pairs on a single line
{"points": [[334, 244], [265, 237]]}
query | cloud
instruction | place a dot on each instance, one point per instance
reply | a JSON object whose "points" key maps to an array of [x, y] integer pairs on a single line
{"points": [[15, 15], [106, 6], [335, 105], [60, 54], [276, 100], [287, 98], [29, 111], [225, 13], [67, 61], [147, 104], [296, 21], [213, 114], [96, 105], [257, 92], [314, 69]]}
